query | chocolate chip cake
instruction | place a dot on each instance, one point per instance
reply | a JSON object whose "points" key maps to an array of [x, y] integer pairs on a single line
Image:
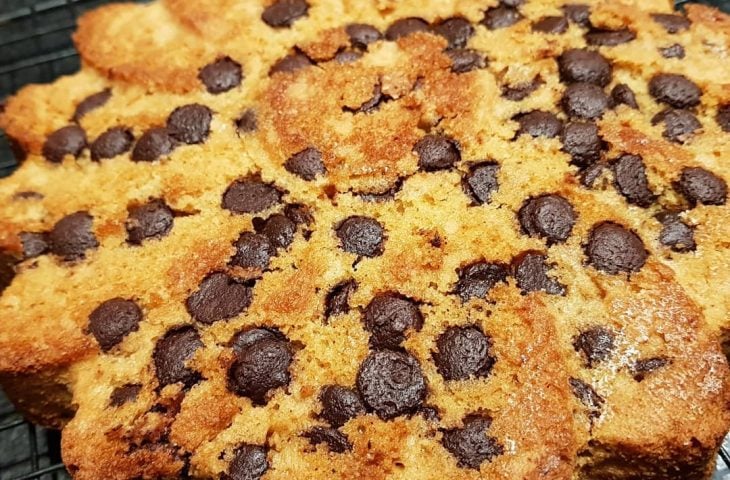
{"points": [[375, 239]]}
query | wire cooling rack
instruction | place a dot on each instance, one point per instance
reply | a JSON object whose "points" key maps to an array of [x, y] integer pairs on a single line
{"points": [[36, 47]]}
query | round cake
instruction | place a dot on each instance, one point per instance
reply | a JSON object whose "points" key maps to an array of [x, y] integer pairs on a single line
{"points": [[375, 239]]}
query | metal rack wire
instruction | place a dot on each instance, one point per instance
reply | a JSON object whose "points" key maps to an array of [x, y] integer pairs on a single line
{"points": [[36, 47]]}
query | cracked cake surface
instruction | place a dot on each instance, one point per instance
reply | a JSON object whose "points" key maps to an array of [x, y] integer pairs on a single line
{"points": [[375, 239]]}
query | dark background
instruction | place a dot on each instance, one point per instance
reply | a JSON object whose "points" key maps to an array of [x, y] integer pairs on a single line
{"points": [[36, 47]]}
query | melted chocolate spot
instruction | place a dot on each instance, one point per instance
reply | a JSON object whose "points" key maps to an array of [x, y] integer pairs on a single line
{"points": [[595, 344], [335, 440], [337, 301], [219, 297], [171, 354]]}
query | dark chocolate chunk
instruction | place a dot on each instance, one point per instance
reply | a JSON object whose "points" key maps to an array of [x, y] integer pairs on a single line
{"points": [[531, 273], [595, 345], [609, 38], [723, 117], [585, 100], [250, 195], [477, 279], [457, 30], [16, 148], [306, 164], [672, 23], [7, 269], [278, 229], [698, 185], [613, 248], [124, 394], [548, 216], [363, 236], [481, 182], [253, 250], [298, 214], [436, 152], [348, 56], [113, 142], [113, 320], [246, 338], [673, 51], [470, 444], [153, 143], [190, 123], [260, 367], [72, 236], [361, 35], [283, 13], [219, 297], [391, 383], [69, 140], [291, 63], [171, 354], [539, 124], [247, 123], [501, 17], [462, 353], [583, 65], [150, 220], [34, 244], [551, 24], [337, 301], [221, 76], [521, 91], [591, 173], [340, 404], [582, 142], [676, 234], [335, 440], [679, 125], [465, 60], [622, 94], [249, 463], [404, 27], [642, 367], [630, 179], [92, 102], [675, 90], [586, 394], [578, 13], [389, 317]]}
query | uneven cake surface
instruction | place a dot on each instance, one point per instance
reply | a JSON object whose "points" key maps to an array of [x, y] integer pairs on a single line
{"points": [[375, 239]]}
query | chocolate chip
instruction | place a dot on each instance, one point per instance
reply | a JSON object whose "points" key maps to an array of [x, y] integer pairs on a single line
{"points": [[698, 185], [247, 123], [585, 100], [291, 63], [464, 60], [436, 152], [595, 344], [673, 51], [548, 216], [404, 27], [150, 220], [381, 196], [16, 148], [551, 24], [470, 444], [531, 273], [190, 123], [298, 214], [113, 142], [676, 234], [340, 404], [477, 279], [539, 124], [642, 367], [671, 23], [591, 173], [457, 30], [361, 35], [511, 3], [249, 463], [113, 320], [92, 102], [172, 352], [679, 125], [582, 65], [521, 91], [586, 394], [153, 143], [283, 13], [362, 236], [7, 270], [622, 94], [250, 195], [306, 164], [481, 182], [501, 17], [372, 104], [72, 236], [430, 414], [34, 243], [124, 394], [219, 297], [347, 56], [578, 13], [246, 338], [335, 440], [388, 317], [69, 140], [609, 38], [723, 117], [630, 179], [222, 75], [260, 367], [253, 250], [613, 248], [278, 229], [463, 352], [391, 383], [581, 141], [337, 301], [675, 90]]}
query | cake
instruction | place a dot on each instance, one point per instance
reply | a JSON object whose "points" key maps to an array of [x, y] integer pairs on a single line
{"points": [[375, 239]]}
